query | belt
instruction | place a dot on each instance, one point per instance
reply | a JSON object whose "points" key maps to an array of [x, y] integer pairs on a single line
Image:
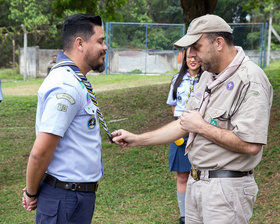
{"points": [[73, 186], [220, 173]]}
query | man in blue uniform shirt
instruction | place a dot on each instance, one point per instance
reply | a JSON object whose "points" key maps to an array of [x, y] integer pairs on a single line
{"points": [[66, 159]]}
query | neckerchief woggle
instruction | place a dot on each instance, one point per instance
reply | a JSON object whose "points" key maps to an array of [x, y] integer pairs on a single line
{"points": [[63, 60]]}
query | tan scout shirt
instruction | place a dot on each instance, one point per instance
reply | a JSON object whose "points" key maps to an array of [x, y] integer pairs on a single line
{"points": [[246, 96]]}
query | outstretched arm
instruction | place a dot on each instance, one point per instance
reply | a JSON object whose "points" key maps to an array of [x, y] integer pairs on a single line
{"points": [[163, 135]]}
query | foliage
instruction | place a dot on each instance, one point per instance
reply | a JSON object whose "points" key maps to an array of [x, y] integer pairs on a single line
{"points": [[259, 11], [106, 9], [10, 74]]}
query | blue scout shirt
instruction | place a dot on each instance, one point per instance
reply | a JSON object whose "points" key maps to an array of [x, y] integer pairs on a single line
{"points": [[65, 109], [183, 93]]}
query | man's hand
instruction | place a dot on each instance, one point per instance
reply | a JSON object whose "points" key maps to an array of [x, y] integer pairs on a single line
{"points": [[192, 121], [124, 138], [29, 204]]}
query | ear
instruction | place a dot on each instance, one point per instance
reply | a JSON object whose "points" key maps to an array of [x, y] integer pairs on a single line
{"points": [[79, 44], [219, 43]]}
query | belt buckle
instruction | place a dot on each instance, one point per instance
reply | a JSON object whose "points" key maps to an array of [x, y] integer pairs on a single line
{"points": [[195, 174], [74, 186]]}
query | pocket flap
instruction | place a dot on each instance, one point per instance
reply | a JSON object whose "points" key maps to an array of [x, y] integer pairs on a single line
{"points": [[216, 112], [48, 206], [251, 190]]}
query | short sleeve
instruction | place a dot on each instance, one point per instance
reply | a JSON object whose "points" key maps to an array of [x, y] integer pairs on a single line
{"points": [[60, 106], [252, 118], [170, 100]]}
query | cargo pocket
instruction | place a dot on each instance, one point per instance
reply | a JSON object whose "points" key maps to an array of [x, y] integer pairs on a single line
{"points": [[47, 211], [249, 198]]}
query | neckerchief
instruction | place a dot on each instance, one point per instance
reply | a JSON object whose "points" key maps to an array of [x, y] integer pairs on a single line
{"points": [[225, 74], [63, 60]]}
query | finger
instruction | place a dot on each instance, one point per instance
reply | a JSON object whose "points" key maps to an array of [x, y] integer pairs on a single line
{"points": [[33, 202], [118, 139], [114, 133]]}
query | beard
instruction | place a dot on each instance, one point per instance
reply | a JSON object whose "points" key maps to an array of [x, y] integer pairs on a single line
{"points": [[93, 63], [98, 68]]}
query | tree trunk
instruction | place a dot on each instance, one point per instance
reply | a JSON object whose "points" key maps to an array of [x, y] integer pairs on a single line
{"points": [[196, 8]]}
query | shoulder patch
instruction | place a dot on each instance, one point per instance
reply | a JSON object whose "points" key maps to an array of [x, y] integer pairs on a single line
{"points": [[65, 96], [251, 93]]}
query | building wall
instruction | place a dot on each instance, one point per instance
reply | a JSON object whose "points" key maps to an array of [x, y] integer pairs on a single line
{"points": [[45, 56], [31, 62], [121, 61], [127, 61]]}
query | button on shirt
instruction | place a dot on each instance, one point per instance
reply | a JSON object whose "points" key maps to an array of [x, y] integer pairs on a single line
{"points": [[183, 93], [65, 109]]}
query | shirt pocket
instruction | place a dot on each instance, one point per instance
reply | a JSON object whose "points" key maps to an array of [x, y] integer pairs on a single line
{"points": [[216, 117], [181, 94], [88, 110]]}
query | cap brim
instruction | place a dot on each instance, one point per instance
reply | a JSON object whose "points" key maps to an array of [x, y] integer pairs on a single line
{"points": [[187, 40]]}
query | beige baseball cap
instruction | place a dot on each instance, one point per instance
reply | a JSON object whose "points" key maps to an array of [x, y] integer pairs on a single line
{"points": [[203, 24]]}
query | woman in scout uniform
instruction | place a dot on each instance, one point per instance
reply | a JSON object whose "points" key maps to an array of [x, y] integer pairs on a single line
{"points": [[180, 90]]}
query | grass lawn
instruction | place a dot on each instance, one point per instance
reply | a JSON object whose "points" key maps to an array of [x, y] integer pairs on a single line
{"points": [[137, 186]]}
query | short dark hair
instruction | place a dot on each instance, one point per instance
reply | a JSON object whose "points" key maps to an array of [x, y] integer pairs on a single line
{"points": [[78, 25], [227, 36]]}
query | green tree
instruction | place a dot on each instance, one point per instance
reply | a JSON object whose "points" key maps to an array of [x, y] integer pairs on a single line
{"points": [[166, 11], [107, 9], [260, 11]]}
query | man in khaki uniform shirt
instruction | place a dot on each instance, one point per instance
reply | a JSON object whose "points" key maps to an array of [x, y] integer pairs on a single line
{"points": [[228, 135]]}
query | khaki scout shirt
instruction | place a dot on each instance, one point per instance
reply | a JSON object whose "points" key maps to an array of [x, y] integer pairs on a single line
{"points": [[247, 96]]}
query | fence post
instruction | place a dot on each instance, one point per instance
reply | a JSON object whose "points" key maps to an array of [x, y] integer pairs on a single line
{"points": [[24, 51], [146, 50], [269, 38], [107, 40]]}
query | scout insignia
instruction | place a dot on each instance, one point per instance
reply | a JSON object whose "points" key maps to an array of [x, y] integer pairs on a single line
{"points": [[91, 123], [65, 96], [199, 95], [88, 99], [62, 107], [251, 93], [213, 122], [230, 85]]}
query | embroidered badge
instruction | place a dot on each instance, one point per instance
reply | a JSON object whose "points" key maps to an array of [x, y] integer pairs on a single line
{"points": [[62, 107], [179, 98], [213, 122], [65, 96], [230, 85], [88, 99], [82, 85], [91, 123], [199, 95], [251, 93]]}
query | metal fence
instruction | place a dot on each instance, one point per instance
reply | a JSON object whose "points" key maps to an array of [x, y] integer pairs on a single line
{"points": [[148, 47]]}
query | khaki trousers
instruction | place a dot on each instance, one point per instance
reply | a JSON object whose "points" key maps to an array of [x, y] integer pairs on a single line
{"points": [[220, 200]]}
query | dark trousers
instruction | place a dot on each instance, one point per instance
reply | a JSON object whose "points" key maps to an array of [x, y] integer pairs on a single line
{"points": [[59, 206]]}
